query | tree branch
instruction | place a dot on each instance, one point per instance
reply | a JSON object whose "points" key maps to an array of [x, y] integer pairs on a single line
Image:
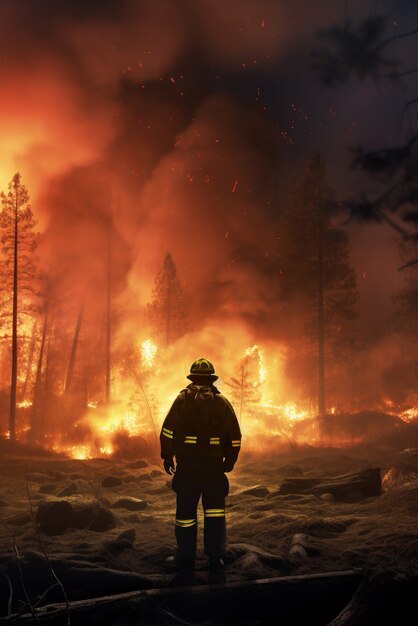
{"points": [[36, 529], [19, 567]]}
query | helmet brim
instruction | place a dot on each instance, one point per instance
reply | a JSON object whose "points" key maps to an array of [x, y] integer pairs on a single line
{"points": [[211, 377]]}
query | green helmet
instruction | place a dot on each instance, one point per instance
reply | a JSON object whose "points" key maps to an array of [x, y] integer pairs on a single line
{"points": [[202, 367]]}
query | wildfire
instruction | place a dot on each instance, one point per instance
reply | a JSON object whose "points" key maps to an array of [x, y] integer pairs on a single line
{"points": [[257, 353], [24, 404], [410, 414], [148, 353], [292, 412], [82, 452], [127, 422]]}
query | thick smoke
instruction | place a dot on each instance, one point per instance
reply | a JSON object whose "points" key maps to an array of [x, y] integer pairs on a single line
{"points": [[120, 117]]}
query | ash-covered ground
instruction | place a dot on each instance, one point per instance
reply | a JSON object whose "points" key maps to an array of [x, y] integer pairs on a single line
{"points": [[121, 544]]}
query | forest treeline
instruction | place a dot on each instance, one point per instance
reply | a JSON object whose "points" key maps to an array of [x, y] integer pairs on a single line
{"points": [[52, 372]]}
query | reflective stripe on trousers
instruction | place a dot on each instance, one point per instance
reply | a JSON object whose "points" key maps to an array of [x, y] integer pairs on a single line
{"points": [[191, 483]]}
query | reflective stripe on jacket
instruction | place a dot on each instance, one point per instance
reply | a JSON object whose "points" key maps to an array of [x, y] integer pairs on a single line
{"points": [[201, 422]]}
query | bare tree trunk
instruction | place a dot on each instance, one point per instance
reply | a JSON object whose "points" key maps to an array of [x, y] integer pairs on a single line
{"points": [[30, 359], [35, 430], [85, 376], [321, 326], [74, 347], [13, 384], [45, 397], [108, 311]]}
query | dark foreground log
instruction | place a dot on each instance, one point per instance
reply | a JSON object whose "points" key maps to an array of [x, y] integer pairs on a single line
{"points": [[382, 599], [365, 483], [294, 600]]}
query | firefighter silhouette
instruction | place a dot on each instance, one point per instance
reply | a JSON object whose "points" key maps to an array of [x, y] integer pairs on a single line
{"points": [[201, 431]]}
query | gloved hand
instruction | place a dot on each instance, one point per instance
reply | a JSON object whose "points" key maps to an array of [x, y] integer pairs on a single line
{"points": [[169, 466], [228, 466]]}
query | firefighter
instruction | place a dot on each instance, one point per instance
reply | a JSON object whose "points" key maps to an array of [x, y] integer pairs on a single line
{"points": [[201, 431]]}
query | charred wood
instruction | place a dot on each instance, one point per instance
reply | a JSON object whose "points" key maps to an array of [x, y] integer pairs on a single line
{"points": [[366, 483], [286, 598]]}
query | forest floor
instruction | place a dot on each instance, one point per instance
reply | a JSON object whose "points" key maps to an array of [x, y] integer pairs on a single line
{"points": [[378, 532]]}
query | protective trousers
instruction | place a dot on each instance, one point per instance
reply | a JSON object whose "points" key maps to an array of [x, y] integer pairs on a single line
{"points": [[196, 477]]}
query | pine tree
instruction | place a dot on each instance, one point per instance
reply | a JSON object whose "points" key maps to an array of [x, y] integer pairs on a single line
{"points": [[166, 313], [245, 386], [316, 273], [19, 242], [404, 319]]}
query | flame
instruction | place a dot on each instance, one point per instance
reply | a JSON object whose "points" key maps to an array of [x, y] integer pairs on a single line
{"points": [[257, 353], [141, 399], [409, 415], [291, 411], [114, 423], [24, 404], [148, 353]]}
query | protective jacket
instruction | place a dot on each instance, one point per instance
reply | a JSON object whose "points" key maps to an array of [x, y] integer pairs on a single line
{"points": [[201, 422], [202, 432]]}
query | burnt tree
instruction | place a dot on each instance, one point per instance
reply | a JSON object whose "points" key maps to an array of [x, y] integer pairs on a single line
{"points": [[19, 242], [166, 313], [316, 278]]}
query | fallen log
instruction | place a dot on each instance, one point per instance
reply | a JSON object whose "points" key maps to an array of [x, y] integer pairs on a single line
{"points": [[290, 600], [382, 599], [365, 483]]}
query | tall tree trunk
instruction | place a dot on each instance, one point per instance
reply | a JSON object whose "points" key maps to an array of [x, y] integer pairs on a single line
{"points": [[35, 426], [321, 326], [30, 359], [13, 384], [74, 347], [108, 310], [85, 375], [45, 396]]}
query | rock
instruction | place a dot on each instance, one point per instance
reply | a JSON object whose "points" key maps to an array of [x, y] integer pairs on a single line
{"points": [[301, 539], [297, 553], [137, 464], [327, 497], [54, 516], [69, 490], [103, 519], [130, 503], [155, 473], [258, 491], [83, 511], [117, 545], [127, 535], [300, 547], [111, 481]]}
